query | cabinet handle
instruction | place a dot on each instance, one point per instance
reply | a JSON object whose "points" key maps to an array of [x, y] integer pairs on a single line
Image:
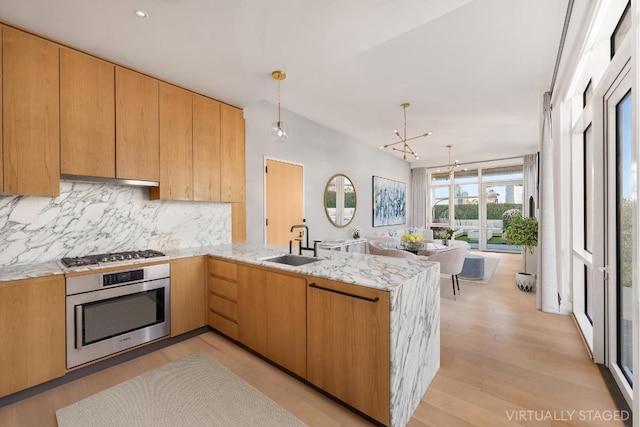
{"points": [[313, 285], [79, 324]]}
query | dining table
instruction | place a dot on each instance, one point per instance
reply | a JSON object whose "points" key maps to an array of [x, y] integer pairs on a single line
{"points": [[424, 247]]}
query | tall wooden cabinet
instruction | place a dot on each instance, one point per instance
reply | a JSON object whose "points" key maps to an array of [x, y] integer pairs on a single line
{"points": [[87, 115], [31, 132], [32, 336], [176, 146], [272, 316], [206, 149], [188, 310], [232, 168], [137, 126], [348, 344]]}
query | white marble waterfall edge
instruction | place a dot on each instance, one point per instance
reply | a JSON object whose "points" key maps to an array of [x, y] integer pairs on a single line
{"points": [[89, 218], [415, 342]]}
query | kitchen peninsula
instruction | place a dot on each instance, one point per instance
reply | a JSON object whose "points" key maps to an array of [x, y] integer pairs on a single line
{"points": [[363, 328], [409, 287]]}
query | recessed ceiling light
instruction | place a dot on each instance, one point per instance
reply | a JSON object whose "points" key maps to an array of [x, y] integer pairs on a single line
{"points": [[141, 13]]}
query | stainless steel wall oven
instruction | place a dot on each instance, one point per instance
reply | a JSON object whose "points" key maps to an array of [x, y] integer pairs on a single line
{"points": [[110, 312]]}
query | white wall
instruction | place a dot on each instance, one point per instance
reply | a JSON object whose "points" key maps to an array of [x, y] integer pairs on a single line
{"points": [[323, 152]]}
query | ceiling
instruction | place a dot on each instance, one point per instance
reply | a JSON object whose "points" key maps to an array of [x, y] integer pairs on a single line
{"points": [[473, 70]]}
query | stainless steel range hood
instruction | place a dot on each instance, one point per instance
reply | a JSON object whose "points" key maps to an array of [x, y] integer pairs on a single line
{"points": [[116, 181]]}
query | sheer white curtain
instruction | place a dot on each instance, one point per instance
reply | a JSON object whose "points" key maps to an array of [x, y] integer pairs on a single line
{"points": [[547, 293], [419, 197], [530, 184]]}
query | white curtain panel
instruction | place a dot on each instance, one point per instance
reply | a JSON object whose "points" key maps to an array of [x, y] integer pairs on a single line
{"points": [[530, 178], [547, 294], [419, 197]]}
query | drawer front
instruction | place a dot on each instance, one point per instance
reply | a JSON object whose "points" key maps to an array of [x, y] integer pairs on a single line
{"points": [[223, 307], [226, 269], [223, 325], [223, 288]]}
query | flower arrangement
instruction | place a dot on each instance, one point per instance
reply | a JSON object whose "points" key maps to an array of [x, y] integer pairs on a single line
{"points": [[411, 237], [443, 233], [355, 232]]}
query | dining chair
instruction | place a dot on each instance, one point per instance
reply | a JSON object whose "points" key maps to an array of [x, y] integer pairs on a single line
{"points": [[451, 262]]}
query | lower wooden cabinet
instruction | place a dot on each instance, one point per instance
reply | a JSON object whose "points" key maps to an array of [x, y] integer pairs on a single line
{"points": [[32, 337], [272, 316], [223, 296], [348, 344], [188, 302]]}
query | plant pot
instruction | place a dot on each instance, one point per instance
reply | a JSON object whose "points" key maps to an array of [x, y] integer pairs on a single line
{"points": [[526, 281]]}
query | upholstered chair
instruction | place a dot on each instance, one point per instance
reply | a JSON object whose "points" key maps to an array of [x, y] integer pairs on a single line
{"points": [[451, 261]]}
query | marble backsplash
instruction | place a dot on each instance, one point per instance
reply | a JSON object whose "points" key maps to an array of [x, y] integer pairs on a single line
{"points": [[89, 218]]}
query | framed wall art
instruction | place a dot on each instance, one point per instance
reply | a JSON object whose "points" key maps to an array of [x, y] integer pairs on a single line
{"points": [[389, 202]]}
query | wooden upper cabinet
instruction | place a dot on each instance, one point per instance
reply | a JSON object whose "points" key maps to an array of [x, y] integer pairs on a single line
{"points": [[31, 131], [137, 126], [176, 146], [206, 149], [232, 167], [87, 115]]}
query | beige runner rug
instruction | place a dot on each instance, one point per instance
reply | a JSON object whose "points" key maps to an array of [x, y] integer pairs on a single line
{"points": [[192, 391]]}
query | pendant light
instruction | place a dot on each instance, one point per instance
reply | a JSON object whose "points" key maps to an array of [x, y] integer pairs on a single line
{"points": [[403, 138], [279, 129]]}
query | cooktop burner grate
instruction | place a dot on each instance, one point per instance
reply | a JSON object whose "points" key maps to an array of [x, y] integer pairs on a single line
{"points": [[110, 257]]}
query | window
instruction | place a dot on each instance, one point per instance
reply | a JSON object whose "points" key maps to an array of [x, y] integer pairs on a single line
{"points": [[586, 95], [621, 30], [587, 186]]}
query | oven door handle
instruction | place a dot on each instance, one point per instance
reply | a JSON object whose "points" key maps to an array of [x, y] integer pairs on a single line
{"points": [[79, 322]]}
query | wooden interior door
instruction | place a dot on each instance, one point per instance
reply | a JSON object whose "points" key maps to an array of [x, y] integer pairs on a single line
{"points": [[284, 200]]}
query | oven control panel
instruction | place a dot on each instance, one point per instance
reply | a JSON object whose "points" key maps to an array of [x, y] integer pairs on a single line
{"points": [[122, 277]]}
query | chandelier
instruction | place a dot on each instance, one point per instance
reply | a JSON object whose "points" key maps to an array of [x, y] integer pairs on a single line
{"points": [[279, 129], [450, 166], [403, 138]]}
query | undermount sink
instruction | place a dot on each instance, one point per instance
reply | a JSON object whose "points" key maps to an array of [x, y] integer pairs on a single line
{"points": [[290, 259]]}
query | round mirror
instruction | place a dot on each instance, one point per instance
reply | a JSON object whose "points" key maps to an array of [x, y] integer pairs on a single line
{"points": [[340, 200]]}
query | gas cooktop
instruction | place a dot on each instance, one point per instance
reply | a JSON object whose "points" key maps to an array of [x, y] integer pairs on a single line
{"points": [[110, 257]]}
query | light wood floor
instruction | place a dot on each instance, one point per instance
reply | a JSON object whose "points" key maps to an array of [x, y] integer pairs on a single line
{"points": [[499, 355]]}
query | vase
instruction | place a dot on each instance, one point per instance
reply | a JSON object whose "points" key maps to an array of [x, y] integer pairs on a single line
{"points": [[526, 281], [356, 235]]}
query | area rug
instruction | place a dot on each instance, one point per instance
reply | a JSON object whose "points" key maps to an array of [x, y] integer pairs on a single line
{"points": [[490, 265], [192, 391]]}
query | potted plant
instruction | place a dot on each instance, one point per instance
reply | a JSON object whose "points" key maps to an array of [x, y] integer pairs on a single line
{"points": [[524, 232]]}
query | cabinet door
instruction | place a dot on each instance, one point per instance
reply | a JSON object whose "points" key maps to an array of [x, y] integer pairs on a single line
{"points": [[232, 167], [272, 316], [286, 323], [188, 295], [137, 126], [252, 308], [348, 344], [176, 146], [87, 115], [31, 114], [32, 336], [239, 222], [206, 149]]}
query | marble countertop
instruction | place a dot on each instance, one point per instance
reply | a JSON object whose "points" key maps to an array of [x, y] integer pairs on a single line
{"points": [[379, 272]]}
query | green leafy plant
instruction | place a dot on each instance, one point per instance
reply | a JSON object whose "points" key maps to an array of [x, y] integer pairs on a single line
{"points": [[523, 232]]}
